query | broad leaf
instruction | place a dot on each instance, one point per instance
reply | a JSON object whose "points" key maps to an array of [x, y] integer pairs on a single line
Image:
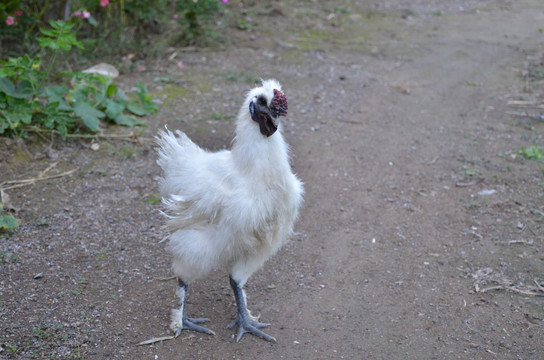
{"points": [[128, 120], [50, 33], [136, 109], [56, 93], [46, 42], [7, 87], [142, 105], [5, 72], [8, 223], [17, 112], [92, 21], [90, 116], [24, 89], [112, 90], [113, 108]]}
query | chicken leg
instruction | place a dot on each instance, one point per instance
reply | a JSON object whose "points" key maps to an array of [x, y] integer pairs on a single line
{"points": [[246, 322], [180, 321]]}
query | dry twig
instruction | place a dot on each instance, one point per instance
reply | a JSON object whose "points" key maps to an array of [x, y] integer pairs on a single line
{"points": [[486, 275], [433, 160], [154, 340], [163, 338], [510, 242], [538, 285], [524, 292], [41, 176], [466, 184]]}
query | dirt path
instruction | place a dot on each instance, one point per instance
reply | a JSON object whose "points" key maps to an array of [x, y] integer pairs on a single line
{"points": [[397, 124]]}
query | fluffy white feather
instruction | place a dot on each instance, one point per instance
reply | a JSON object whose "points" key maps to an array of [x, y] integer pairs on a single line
{"points": [[230, 209]]}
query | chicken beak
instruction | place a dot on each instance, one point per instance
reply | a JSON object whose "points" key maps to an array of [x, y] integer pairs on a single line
{"points": [[263, 116]]}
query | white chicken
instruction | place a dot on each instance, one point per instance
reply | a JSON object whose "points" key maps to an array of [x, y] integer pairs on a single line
{"points": [[231, 209]]}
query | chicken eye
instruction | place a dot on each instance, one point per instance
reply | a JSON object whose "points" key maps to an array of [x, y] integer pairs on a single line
{"points": [[262, 101]]}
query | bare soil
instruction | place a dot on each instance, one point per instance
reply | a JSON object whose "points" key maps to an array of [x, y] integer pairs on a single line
{"points": [[421, 235]]}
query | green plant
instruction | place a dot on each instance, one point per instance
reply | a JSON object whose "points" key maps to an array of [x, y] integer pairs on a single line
{"points": [[103, 172], [106, 27], [51, 341], [534, 152], [26, 105], [77, 353], [471, 172], [101, 254], [42, 222], [242, 25], [153, 199], [142, 104], [194, 17], [59, 37], [11, 348], [95, 97], [536, 73], [6, 257], [7, 222], [82, 285]]}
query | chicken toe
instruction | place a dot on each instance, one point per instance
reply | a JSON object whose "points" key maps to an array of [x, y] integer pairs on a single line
{"points": [[245, 321], [180, 321]]}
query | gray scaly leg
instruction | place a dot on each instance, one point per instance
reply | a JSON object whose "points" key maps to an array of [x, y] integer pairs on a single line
{"points": [[180, 321], [245, 321]]}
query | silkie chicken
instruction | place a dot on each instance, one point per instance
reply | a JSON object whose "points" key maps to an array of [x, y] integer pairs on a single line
{"points": [[230, 209]]}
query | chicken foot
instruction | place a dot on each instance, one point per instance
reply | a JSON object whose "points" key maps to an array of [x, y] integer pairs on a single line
{"points": [[180, 321], [246, 322]]}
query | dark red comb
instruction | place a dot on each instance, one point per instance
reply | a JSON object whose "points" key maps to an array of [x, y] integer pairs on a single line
{"points": [[279, 106]]}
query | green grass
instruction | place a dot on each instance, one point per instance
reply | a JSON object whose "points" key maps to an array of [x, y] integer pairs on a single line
{"points": [[11, 348], [101, 254], [42, 222], [7, 222], [536, 73], [51, 341], [471, 172], [125, 151], [534, 152], [82, 285], [46, 332], [153, 199], [103, 172], [6, 257]]}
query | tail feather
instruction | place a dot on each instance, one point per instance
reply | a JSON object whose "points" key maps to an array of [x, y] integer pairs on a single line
{"points": [[172, 148], [174, 156]]}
